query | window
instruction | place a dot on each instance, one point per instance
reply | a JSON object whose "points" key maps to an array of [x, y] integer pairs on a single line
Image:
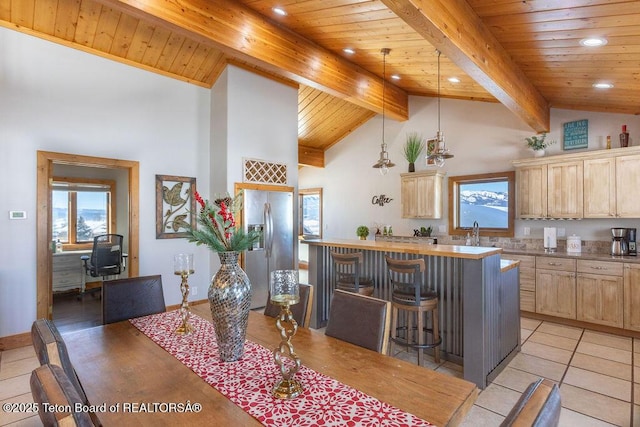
{"points": [[310, 213], [487, 199], [81, 209]]}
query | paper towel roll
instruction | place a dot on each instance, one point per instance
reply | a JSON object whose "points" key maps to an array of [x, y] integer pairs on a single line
{"points": [[550, 238]]}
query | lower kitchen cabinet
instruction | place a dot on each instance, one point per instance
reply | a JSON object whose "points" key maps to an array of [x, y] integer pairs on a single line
{"points": [[527, 280], [556, 293], [600, 293], [632, 297]]}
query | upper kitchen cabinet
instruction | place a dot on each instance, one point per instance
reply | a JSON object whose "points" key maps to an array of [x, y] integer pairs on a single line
{"points": [[592, 184], [531, 191], [421, 194]]}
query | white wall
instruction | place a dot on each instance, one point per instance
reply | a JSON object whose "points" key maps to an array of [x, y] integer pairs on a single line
{"points": [[58, 99], [484, 137]]}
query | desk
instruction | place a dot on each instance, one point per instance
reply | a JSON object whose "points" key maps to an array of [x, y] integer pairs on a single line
{"points": [[116, 363]]}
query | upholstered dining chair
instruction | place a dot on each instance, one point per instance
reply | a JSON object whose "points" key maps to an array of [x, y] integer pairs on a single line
{"points": [[348, 273], [50, 385], [51, 349], [538, 406], [301, 311], [359, 319], [131, 297]]}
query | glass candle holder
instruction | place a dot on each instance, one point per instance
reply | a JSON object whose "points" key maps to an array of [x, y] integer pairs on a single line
{"points": [[285, 290], [284, 287], [183, 267]]}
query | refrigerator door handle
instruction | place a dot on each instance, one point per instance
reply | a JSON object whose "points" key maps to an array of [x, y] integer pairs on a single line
{"points": [[268, 222]]}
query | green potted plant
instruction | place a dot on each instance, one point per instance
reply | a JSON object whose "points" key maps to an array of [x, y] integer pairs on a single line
{"points": [[362, 232], [412, 149], [538, 144]]}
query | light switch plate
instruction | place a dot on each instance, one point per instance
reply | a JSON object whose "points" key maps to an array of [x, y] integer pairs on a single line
{"points": [[17, 214], [526, 231], [561, 232]]}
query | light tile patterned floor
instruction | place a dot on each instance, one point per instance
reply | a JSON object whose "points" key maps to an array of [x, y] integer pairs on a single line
{"points": [[599, 377]]}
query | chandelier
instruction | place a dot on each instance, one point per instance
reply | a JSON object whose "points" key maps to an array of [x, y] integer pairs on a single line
{"points": [[383, 163], [440, 152]]}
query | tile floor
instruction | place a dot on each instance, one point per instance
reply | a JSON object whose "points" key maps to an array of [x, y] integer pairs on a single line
{"points": [[599, 377]]}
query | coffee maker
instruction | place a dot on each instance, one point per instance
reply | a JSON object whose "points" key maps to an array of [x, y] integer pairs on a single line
{"points": [[631, 241], [619, 245]]}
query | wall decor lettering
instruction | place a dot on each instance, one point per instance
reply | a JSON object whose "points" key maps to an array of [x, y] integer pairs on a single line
{"points": [[380, 200], [576, 135]]}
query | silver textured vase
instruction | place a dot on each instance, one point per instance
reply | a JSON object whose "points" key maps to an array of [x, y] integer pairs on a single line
{"points": [[230, 300]]}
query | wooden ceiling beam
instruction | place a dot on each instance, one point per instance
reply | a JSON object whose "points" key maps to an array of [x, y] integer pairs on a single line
{"points": [[456, 30], [244, 34]]}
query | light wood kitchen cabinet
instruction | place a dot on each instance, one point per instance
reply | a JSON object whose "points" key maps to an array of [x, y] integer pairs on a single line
{"points": [[599, 188], [632, 297], [600, 294], [421, 194], [627, 183], [527, 280], [531, 191], [556, 287], [565, 190]]}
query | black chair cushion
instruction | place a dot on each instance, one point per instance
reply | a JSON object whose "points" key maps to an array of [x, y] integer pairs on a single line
{"points": [[49, 384], [51, 349], [404, 293], [124, 299]]}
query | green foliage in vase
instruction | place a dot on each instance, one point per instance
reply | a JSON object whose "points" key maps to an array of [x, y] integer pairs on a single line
{"points": [[218, 228], [362, 231], [538, 142], [413, 147]]}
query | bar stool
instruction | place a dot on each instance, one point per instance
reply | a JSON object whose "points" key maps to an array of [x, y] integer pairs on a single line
{"points": [[408, 294], [347, 268]]}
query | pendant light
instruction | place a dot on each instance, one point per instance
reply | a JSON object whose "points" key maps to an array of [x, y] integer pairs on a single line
{"points": [[383, 163], [440, 151]]}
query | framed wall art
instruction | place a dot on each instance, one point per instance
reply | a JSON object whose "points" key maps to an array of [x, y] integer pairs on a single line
{"points": [[576, 135], [175, 206]]}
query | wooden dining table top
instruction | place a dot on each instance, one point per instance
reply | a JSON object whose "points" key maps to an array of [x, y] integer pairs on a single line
{"points": [[131, 380]]}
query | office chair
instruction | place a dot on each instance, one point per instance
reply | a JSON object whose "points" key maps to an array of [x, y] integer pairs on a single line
{"points": [[106, 258]]}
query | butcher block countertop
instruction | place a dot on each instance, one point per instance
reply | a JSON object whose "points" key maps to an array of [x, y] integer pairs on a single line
{"points": [[452, 251]]}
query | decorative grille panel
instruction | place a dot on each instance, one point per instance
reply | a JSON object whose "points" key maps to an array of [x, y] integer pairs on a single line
{"points": [[263, 172]]}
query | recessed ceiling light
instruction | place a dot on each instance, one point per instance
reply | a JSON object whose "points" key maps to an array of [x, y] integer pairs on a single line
{"points": [[348, 50], [395, 77], [602, 85], [454, 80], [279, 11], [593, 42]]}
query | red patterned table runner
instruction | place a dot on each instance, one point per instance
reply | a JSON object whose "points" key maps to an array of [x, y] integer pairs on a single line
{"points": [[248, 382]]}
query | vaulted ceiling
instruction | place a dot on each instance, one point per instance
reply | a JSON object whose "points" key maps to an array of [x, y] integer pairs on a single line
{"points": [[523, 53]]}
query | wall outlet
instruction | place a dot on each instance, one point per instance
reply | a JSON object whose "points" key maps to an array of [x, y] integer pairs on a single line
{"points": [[194, 290], [561, 232], [526, 231]]}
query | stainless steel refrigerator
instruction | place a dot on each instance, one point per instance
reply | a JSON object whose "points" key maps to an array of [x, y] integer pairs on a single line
{"points": [[272, 213]]}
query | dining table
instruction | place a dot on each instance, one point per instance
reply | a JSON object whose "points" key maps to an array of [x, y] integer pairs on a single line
{"points": [[131, 380]]}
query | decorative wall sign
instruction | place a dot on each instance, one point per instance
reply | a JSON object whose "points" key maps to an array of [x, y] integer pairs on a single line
{"points": [[380, 200], [576, 135], [174, 206]]}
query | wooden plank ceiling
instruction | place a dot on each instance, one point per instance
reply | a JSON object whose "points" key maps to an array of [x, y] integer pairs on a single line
{"points": [[525, 54]]}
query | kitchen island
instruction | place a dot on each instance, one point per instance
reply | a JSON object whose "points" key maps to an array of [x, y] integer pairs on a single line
{"points": [[479, 309]]}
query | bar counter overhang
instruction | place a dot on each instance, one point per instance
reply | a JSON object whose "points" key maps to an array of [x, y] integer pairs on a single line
{"points": [[479, 305]]}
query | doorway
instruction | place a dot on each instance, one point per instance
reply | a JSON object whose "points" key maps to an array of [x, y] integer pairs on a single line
{"points": [[46, 162]]}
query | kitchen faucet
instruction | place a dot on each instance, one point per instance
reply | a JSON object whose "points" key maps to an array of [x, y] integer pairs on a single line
{"points": [[476, 234]]}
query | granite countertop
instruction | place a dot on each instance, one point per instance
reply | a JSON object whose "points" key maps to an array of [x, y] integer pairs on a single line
{"points": [[583, 256]]}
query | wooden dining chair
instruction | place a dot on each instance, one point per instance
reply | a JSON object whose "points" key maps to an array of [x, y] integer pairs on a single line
{"points": [[124, 299], [359, 319], [50, 385], [538, 406], [301, 311]]}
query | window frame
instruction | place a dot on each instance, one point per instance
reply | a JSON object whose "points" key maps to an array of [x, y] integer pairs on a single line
{"points": [[301, 194], [454, 202], [74, 184]]}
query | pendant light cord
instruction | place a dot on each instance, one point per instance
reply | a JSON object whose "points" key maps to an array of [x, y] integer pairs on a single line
{"points": [[384, 74], [438, 90]]}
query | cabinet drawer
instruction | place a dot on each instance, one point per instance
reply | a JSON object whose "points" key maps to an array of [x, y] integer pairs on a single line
{"points": [[528, 279], [62, 262], [552, 263], [526, 261], [600, 267]]}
